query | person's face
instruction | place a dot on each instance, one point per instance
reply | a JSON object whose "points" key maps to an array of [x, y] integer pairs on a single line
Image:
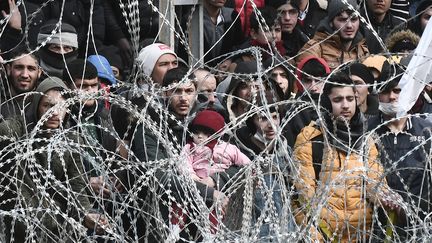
{"points": [[182, 98], [343, 102], [206, 86], [244, 91], [424, 18], [116, 73], [361, 89], [216, 3], [60, 49], [378, 7], [289, 17], [280, 76], [47, 103], [199, 137], [266, 126], [23, 74], [163, 64], [390, 96], [88, 86], [347, 26], [313, 85], [265, 37]]}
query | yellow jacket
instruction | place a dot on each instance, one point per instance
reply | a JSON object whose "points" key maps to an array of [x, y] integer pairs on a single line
{"points": [[346, 188]]}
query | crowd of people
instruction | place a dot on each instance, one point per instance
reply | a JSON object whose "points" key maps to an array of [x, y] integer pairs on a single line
{"points": [[288, 130]]}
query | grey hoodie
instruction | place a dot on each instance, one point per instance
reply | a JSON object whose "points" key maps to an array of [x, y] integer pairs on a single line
{"points": [[32, 110]]}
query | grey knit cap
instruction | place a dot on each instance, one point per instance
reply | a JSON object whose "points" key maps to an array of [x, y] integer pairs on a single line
{"points": [[336, 7]]}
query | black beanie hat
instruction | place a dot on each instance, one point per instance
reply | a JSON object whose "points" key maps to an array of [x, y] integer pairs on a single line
{"points": [[64, 34], [363, 72], [422, 7], [78, 69], [390, 76], [243, 69], [335, 7]]}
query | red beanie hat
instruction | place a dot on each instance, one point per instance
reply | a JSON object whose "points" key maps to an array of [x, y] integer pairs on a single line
{"points": [[209, 119]]}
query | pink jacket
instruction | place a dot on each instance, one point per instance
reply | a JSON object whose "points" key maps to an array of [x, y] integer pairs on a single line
{"points": [[203, 163]]}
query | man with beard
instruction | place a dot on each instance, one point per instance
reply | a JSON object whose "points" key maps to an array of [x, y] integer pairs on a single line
{"points": [[23, 74], [337, 39]]}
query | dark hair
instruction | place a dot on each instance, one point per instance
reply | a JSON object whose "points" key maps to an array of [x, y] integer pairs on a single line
{"points": [[314, 68], [78, 69], [270, 16], [20, 51], [268, 99], [390, 76], [175, 75], [337, 80]]}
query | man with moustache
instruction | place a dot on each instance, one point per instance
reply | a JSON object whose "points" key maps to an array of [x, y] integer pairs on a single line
{"points": [[164, 129], [337, 39], [22, 76]]}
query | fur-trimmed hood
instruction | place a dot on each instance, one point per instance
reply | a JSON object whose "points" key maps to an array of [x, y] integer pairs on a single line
{"points": [[403, 37]]}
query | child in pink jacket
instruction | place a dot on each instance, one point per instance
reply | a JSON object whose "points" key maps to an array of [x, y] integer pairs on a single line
{"points": [[205, 154]]}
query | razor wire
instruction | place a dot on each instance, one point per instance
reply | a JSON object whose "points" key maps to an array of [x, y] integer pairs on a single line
{"points": [[158, 202]]}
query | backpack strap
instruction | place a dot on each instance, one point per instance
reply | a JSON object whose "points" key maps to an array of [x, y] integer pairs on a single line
{"points": [[317, 154]]}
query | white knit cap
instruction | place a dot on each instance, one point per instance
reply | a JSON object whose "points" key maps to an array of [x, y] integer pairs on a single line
{"points": [[149, 55]]}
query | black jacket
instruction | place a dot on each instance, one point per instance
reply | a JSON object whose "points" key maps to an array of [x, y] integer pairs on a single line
{"points": [[104, 148], [115, 23], [405, 159], [314, 16], [295, 41], [384, 29]]}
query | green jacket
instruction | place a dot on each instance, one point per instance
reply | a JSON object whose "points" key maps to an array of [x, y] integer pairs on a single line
{"points": [[44, 176]]}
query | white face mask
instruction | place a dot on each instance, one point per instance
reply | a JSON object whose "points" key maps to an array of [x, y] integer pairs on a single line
{"points": [[389, 109]]}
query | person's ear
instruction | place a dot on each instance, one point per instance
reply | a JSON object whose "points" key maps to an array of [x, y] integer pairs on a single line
{"points": [[39, 72], [8, 69]]}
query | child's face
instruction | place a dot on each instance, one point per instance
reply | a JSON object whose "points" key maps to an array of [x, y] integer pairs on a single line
{"points": [[199, 137]]}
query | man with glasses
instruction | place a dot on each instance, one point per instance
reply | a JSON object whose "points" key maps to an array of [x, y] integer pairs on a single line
{"points": [[293, 36]]}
